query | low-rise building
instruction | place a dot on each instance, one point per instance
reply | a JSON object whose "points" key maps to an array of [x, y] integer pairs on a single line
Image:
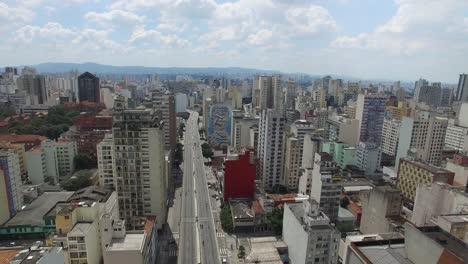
{"points": [[437, 199], [343, 154], [411, 173], [239, 175], [308, 234]]}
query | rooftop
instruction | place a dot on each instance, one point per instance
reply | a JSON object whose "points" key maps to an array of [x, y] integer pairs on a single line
{"points": [[7, 255], [33, 213], [457, 247], [129, 242], [241, 209], [80, 229], [385, 254], [424, 166], [21, 138], [265, 250], [36, 149], [91, 193]]}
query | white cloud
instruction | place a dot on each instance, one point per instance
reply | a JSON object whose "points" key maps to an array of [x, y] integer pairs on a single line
{"points": [[312, 19], [115, 18], [173, 27], [10, 14], [152, 36], [51, 31], [262, 37]]}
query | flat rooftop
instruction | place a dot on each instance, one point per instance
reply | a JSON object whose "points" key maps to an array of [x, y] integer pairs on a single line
{"points": [[385, 254], [457, 247], [129, 242], [265, 250], [33, 214]]}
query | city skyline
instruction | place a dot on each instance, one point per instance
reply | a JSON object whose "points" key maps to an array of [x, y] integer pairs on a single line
{"points": [[402, 39]]}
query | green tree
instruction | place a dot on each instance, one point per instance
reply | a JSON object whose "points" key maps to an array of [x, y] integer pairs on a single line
{"points": [[206, 151], [83, 162], [241, 253], [79, 181], [179, 153], [345, 227], [279, 189], [276, 220], [344, 202], [226, 218]]}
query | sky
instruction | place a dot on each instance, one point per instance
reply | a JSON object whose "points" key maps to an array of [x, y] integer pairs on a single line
{"points": [[373, 39]]}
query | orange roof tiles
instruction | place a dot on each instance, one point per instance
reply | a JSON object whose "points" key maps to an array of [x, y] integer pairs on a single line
{"points": [[21, 138], [7, 255]]}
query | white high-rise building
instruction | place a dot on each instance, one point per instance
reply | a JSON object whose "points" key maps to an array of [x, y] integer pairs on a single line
{"points": [[270, 148], [106, 165], [390, 133], [422, 137], [140, 178], [271, 95], [368, 157], [294, 147], [164, 106], [462, 88]]}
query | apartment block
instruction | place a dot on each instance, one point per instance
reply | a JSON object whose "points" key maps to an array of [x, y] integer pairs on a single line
{"points": [[11, 197], [412, 173], [106, 163], [309, 235], [164, 105], [271, 148], [343, 154], [390, 135], [140, 178], [370, 111], [368, 157], [20, 151], [240, 129], [342, 129], [381, 207], [422, 137]]}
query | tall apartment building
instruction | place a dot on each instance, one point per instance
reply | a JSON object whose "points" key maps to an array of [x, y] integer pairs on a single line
{"points": [[34, 87], [326, 186], [309, 235], [271, 148], [88, 88], [105, 162], [320, 96], [397, 112], [446, 97], [294, 147], [322, 163], [390, 135], [379, 206], [412, 173], [270, 92], [456, 136], [19, 150], [164, 104], [140, 178], [430, 94], [417, 88], [66, 151], [422, 137], [291, 93], [370, 111], [462, 88], [368, 157], [11, 197], [342, 129]]}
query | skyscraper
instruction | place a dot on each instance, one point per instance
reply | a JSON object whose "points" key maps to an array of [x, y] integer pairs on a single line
{"points": [[270, 148], [164, 103], [88, 88], [11, 198], [370, 111], [139, 178], [34, 87], [271, 96], [462, 89]]}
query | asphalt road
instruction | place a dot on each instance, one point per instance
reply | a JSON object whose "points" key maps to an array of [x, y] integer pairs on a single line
{"points": [[197, 233]]}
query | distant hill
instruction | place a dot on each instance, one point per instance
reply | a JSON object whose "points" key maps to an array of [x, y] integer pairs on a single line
{"points": [[53, 67]]}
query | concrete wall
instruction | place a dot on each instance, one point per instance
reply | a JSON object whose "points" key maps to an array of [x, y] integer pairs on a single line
{"points": [[157, 175], [420, 248], [295, 237], [35, 167]]}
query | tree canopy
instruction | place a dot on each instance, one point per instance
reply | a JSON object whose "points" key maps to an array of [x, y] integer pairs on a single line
{"points": [[81, 180], [83, 162], [276, 220]]}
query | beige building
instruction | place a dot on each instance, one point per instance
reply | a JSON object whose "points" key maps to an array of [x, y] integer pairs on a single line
{"points": [[412, 173], [398, 112], [20, 151], [164, 105], [390, 135]]}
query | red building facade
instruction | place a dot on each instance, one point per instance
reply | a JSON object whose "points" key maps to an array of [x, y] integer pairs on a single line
{"points": [[239, 176]]}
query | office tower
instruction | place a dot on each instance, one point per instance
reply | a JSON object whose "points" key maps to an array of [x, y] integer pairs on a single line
{"points": [[11, 197], [88, 88], [390, 135], [446, 97], [462, 88], [270, 93], [412, 173], [326, 185], [291, 90], [294, 147], [379, 206], [397, 112], [417, 88], [370, 111], [270, 148], [320, 97], [342, 129], [456, 136], [422, 137], [164, 105], [430, 94], [368, 157], [105, 160], [309, 235], [34, 87], [140, 178], [235, 93]]}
